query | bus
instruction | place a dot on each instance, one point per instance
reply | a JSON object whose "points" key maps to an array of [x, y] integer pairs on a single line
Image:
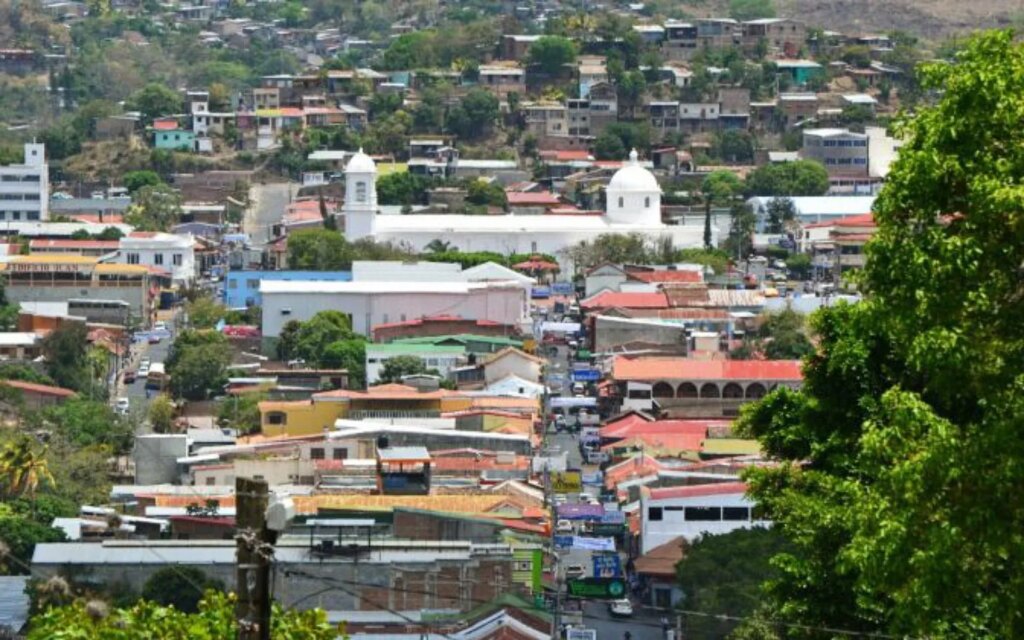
{"points": [[157, 378]]}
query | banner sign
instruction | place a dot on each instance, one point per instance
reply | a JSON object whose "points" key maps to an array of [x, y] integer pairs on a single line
{"points": [[566, 482], [613, 517], [607, 565], [607, 588], [562, 288], [580, 511], [563, 542], [593, 544], [586, 375]]}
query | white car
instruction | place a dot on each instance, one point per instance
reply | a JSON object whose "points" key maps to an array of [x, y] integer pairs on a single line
{"points": [[160, 326], [143, 371], [621, 608], [574, 571], [121, 406], [563, 526]]}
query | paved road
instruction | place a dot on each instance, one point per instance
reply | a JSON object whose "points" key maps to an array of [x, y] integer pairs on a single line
{"points": [[136, 392], [268, 205]]}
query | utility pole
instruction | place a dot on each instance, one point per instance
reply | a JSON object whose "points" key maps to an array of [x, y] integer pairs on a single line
{"points": [[255, 550]]}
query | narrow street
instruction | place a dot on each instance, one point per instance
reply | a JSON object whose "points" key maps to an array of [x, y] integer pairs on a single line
{"points": [[268, 204]]}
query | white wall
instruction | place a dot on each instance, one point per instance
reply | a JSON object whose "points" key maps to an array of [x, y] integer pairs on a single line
{"points": [[443, 362], [512, 364], [160, 252], [506, 305], [674, 524]]}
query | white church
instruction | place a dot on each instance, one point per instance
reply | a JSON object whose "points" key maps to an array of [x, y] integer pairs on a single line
{"points": [[633, 206]]}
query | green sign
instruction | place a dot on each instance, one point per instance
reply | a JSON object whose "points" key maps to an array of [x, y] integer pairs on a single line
{"points": [[607, 588]]}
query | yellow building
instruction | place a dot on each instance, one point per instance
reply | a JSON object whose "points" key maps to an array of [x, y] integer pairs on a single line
{"points": [[383, 401]]}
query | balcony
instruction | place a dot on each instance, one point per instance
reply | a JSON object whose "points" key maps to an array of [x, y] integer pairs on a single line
{"points": [[365, 414]]}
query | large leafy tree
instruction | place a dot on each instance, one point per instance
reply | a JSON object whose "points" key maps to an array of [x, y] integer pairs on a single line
{"points": [[474, 116], [718, 188], [197, 363], [552, 53], [155, 100], [65, 352], [318, 250], [790, 179], [179, 587], [902, 455]]}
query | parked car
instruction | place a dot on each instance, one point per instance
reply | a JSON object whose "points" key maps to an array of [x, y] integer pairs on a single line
{"points": [[573, 571], [563, 526], [621, 608], [160, 326], [121, 406], [144, 370], [154, 339]]}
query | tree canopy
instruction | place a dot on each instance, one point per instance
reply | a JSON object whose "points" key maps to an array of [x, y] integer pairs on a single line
{"points": [[551, 53], [901, 455], [788, 179]]}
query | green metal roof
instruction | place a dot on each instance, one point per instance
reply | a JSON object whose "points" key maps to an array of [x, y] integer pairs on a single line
{"points": [[412, 348]]}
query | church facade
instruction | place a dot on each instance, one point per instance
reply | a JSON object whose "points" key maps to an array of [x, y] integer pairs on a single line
{"points": [[633, 206]]}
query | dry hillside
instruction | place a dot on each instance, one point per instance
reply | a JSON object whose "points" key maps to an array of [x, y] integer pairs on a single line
{"points": [[931, 19]]}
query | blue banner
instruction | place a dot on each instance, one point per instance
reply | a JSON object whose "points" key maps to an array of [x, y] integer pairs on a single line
{"points": [[607, 565], [540, 292], [562, 288], [563, 542], [586, 375]]}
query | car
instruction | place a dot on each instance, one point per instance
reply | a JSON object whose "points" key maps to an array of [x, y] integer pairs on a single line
{"points": [[121, 406], [559, 498], [145, 362], [583, 497], [563, 526], [128, 376], [621, 608], [154, 339], [160, 326], [144, 371], [573, 571]]}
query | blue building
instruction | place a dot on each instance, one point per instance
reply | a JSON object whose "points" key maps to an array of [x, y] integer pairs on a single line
{"points": [[242, 288]]}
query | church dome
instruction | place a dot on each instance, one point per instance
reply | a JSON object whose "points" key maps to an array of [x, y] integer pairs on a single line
{"points": [[360, 163], [633, 177]]}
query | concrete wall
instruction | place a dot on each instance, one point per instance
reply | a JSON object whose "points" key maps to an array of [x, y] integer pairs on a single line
{"points": [[155, 457], [134, 296], [427, 525], [612, 332]]}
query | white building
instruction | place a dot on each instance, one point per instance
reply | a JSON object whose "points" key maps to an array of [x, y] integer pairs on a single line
{"points": [[633, 206], [372, 303], [693, 510], [172, 253], [441, 358], [25, 188]]}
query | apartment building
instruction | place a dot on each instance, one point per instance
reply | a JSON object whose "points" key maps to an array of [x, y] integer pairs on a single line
{"points": [[25, 187]]}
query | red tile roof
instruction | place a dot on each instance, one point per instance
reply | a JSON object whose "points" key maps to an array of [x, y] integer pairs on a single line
{"points": [[666, 443], [165, 125], [39, 389], [567, 155], [687, 369], [539, 198], [699, 490], [629, 300], [664, 275], [865, 220]]}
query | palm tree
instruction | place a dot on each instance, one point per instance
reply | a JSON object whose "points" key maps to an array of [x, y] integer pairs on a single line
{"points": [[23, 469], [438, 246]]}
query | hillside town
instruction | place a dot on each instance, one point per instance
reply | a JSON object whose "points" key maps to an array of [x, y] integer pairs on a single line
{"points": [[490, 320]]}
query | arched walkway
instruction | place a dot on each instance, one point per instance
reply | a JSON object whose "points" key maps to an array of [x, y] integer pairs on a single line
{"points": [[663, 390], [756, 390], [686, 390], [732, 390], [709, 390]]}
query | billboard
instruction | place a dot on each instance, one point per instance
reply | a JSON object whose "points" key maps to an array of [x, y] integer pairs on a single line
{"points": [[580, 511], [566, 482], [607, 588], [607, 565], [586, 375], [562, 288]]}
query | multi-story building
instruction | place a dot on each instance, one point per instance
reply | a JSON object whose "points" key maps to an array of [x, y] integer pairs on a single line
{"points": [[664, 117], [699, 117], [778, 35], [502, 80], [171, 253], [797, 107], [25, 188], [547, 119], [734, 107], [242, 288], [680, 41], [845, 156], [718, 33], [695, 510]]}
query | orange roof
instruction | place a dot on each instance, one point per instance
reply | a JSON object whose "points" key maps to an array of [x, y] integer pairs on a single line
{"points": [[699, 490], [39, 389], [184, 501], [473, 504], [43, 245], [165, 125], [865, 220], [666, 427], [665, 442], [502, 402], [686, 369], [661, 560], [389, 392], [630, 300], [528, 198], [664, 275]]}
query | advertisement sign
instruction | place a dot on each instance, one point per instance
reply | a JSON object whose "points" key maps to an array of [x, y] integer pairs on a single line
{"points": [[586, 375], [562, 288], [608, 529], [607, 565], [563, 542], [580, 511], [613, 517], [580, 633], [540, 292], [566, 482], [592, 478], [563, 402], [593, 544], [606, 588]]}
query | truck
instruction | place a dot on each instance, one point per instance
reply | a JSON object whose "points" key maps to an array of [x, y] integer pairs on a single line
{"points": [[157, 378]]}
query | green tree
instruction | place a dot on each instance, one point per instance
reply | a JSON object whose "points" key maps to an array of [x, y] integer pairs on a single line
{"points": [[65, 351], [348, 354], [733, 146], [135, 180], [155, 208], [179, 587], [788, 179], [9, 317], [242, 412], [85, 423], [784, 336], [482, 192], [155, 100], [899, 458], [402, 188], [204, 312], [719, 187], [551, 54], [396, 368], [781, 212], [724, 574], [799, 265], [197, 363], [215, 620], [318, 250], [19, 535], [608, 146], [474, 116], [23, 468], [161, 414]]}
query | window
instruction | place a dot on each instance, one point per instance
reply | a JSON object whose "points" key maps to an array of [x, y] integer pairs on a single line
{"points": [[133, 258], [647, 202], [360, 191], [158, 258], [736, 513], [176, 260], [654, 514], [33, 215], [533, 247], [210, 481], [316, 453], [703, 514], [252, 284], [522, 565], [277, 417], [340, 454], [232, 284], [622, 202]]}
